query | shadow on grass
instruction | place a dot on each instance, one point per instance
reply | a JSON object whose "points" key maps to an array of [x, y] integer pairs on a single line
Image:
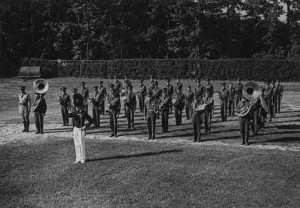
{"points": [[283, 139], [289, 127], [146, 154]]}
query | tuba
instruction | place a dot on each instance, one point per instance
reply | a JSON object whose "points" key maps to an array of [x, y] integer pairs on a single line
{"points": [[40, 86], [252, 92]]}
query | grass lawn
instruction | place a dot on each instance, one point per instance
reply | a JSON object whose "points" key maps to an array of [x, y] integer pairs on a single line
{"points": [[140, 174], [130, 171]]}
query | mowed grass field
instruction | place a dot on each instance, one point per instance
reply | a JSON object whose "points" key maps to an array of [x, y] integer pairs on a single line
{"points": [[130, 171]]}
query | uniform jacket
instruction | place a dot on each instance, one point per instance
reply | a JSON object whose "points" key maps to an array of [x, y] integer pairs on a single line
{"points": [[223, 95], [170, 89], [239, 89], [24, 99], [151, 104], [102, 93], [79, 119], [210, 90], [85, 93], [231, 93], [40, 106], [96, 100], [142, 89], [189, 97], [65, 100], [131, 100]]}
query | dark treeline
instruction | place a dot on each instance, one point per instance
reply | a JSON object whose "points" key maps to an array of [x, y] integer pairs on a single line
{"points": [[121, 29]]}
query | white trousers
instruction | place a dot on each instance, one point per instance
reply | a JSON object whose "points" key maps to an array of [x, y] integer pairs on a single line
{"points": [[79, 142]]}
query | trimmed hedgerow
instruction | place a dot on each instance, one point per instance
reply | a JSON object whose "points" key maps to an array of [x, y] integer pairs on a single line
{"points": [[246, 69]]}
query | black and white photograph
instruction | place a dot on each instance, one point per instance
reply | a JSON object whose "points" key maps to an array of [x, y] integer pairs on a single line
{"points": [[150, 103]]}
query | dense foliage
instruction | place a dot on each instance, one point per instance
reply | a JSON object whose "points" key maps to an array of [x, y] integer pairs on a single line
{"points": [[124, 29], [247, 69]]}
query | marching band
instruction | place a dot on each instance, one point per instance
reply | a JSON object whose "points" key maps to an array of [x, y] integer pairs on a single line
{"points": [[251, 104]]}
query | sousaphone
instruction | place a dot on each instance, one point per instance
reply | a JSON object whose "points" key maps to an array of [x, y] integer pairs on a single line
{"points": [[40, 86]]}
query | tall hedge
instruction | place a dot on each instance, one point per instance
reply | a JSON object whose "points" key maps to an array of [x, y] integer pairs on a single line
{"points": [[246, 69]]}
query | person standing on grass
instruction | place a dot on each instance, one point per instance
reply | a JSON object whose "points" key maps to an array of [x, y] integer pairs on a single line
{"points": [[102, 94], [179, 105], [231, 105], [164, 106], [118, 87], [79, 131], [199, 92], [142, 95], [170, 92], [244, 121], [39, 109], [197, 120], [278, 96], [267, 95], [238, 91], [24, 107], [114, 106], [130, 105], [152, 109], [157, 94], [95, 100], [151, 85], [189, 98], [85, 95], [223, 96], [64, 101]]}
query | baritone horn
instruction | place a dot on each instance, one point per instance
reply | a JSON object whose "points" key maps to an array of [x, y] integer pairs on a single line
{"points": [[40, 86]]}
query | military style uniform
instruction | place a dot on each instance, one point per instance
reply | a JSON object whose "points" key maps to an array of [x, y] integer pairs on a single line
{"points": [[164, 108], [24, 109], [157, 94], [223, 96], [199, 93], [189, 98], [238, 93], [268, 95], [96, 102], [179, 86], [170, 92], [243, 121], [197, 120], [208, 113], [142, 96], [118, 86], [65, 101], [231, 103], [114, 105], [130, 106], [85, 95], [151, 104], [127, 84], [179, 105], [210, 90], [39, 109], [79, 133], [102, 94], [278, 97]]}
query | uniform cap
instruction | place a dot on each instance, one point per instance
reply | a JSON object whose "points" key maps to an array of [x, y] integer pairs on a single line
{"points": [[22, 87], [74, 90], [63, 88], [111, 85], [223, 83]]}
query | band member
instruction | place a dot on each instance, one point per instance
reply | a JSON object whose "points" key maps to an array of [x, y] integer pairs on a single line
{"points": [[152, 108], [117, 84], [164, 108], [151, 85], [243, 121], [262, 113], [267, 95], [39, 109], [102, 93], [255, 117], [85, 95], [179, 85], [208, 101], [65, 102], [127, 83], [157, 94], [96, 102], [278, 96], [238, 91], [199, 91], [231, 104], [24, 107], [130, 105], [114, 106], [79, 131], [189, 98], [197, 120], [179, 105], [142, 95], [209, 89], [170, 92], [223, 96]]}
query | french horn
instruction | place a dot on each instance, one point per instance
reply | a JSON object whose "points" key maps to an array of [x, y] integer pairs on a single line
{"points": [[40, 86]]}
